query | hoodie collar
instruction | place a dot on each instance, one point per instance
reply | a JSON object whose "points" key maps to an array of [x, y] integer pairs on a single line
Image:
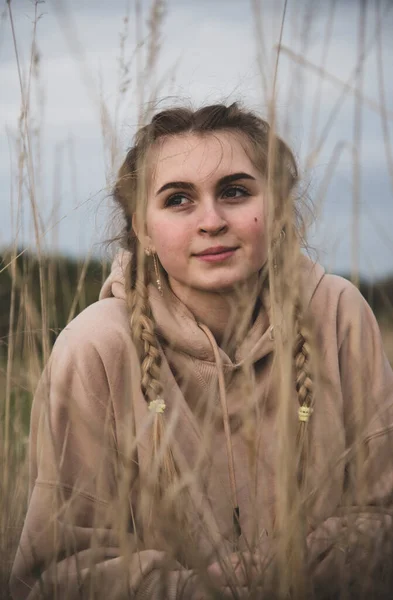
{"points": [[179, 329]]}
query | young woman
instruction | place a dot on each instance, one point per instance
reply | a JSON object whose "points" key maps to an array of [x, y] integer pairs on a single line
{"points": [[219, 423]]}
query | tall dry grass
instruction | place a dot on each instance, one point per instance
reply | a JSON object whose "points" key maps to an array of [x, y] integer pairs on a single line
{"points": [[33, 320], [43, 295]]}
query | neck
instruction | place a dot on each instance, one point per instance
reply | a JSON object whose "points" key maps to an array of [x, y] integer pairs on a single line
{"points": [[228, 315]]}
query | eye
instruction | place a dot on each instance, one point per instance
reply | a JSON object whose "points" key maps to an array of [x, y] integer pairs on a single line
{"points": [[177, 200], [235, 191]]}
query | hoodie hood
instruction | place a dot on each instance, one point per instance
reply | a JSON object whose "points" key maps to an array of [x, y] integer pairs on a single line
{"points": [[179, 329]]}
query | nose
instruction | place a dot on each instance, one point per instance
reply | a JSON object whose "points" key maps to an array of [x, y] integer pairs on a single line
{"points": [[212, 220]]}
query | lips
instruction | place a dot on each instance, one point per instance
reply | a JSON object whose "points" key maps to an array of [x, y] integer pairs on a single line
{"points": [[216, 250], [216, 254]]}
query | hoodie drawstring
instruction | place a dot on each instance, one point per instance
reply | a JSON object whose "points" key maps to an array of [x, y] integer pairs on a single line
{"points": [[227, 430]]}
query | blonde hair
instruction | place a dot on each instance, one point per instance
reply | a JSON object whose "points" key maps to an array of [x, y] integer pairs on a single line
{"points": [[276, 162]]}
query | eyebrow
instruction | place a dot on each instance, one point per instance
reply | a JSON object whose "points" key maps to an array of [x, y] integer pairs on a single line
{"points": [[186, 185]]}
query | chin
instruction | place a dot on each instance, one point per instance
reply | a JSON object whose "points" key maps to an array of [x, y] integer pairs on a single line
{"points": [[221, 285]]}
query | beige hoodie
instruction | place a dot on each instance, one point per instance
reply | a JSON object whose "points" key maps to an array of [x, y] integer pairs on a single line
{"points": [[90, 439]]}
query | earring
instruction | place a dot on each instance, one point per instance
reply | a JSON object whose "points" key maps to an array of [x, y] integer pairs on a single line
{"points": [[158, 279], [150, 252]]}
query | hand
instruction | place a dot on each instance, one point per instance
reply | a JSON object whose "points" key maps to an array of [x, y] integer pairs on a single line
{"points": [[240, 569]]}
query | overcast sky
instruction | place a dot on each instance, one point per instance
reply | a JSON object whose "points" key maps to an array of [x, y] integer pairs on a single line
{"points": [[209, 52]]}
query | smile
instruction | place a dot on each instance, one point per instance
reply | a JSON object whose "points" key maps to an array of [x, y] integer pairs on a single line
{"points": [[218, 254]]}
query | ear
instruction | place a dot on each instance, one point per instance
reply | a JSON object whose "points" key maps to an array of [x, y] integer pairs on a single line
{"points": [[143, 238]]}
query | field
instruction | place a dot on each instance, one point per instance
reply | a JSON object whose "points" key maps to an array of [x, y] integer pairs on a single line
{"points": [[72, 285]]}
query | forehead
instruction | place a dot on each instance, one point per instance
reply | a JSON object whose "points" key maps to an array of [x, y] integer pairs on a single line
{"points": [[200, 158]]}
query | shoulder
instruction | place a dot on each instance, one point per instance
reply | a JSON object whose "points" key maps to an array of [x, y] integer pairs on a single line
{"points": [[98, 334], [325, 293], [338, 301], [338, 294], [108, 316], [332, 288]]}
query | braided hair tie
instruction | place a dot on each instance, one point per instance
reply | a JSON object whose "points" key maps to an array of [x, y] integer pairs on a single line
{"points": [[157, 406], [304, 413]]}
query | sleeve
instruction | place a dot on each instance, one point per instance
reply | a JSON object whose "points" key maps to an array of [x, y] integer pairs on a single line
{"points": [[354, 549], [77, 541]]}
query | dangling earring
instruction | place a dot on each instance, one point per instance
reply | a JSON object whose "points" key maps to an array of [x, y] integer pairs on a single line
{"points": [[158, 279], [150, 252]]}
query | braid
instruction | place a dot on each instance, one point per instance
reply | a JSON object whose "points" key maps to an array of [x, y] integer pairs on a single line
{"points": [[151, 358], [143, 334], [142, 328], [305, 391], [304, 382], [151, 385]]}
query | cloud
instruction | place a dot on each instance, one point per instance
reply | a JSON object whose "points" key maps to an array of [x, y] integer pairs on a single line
{"points": [[213, 45]]}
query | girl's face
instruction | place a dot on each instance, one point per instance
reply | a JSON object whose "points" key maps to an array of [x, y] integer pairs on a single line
{"points": [[206, 212]]}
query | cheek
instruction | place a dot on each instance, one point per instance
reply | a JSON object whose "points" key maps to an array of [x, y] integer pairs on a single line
{"points": [[169, 236], [171, 241], [252, 227], [254, 234], [257, 227]]}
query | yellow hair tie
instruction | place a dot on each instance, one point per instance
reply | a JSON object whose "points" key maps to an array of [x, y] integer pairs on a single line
{"points": [[157, 406], [304, 413]]}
